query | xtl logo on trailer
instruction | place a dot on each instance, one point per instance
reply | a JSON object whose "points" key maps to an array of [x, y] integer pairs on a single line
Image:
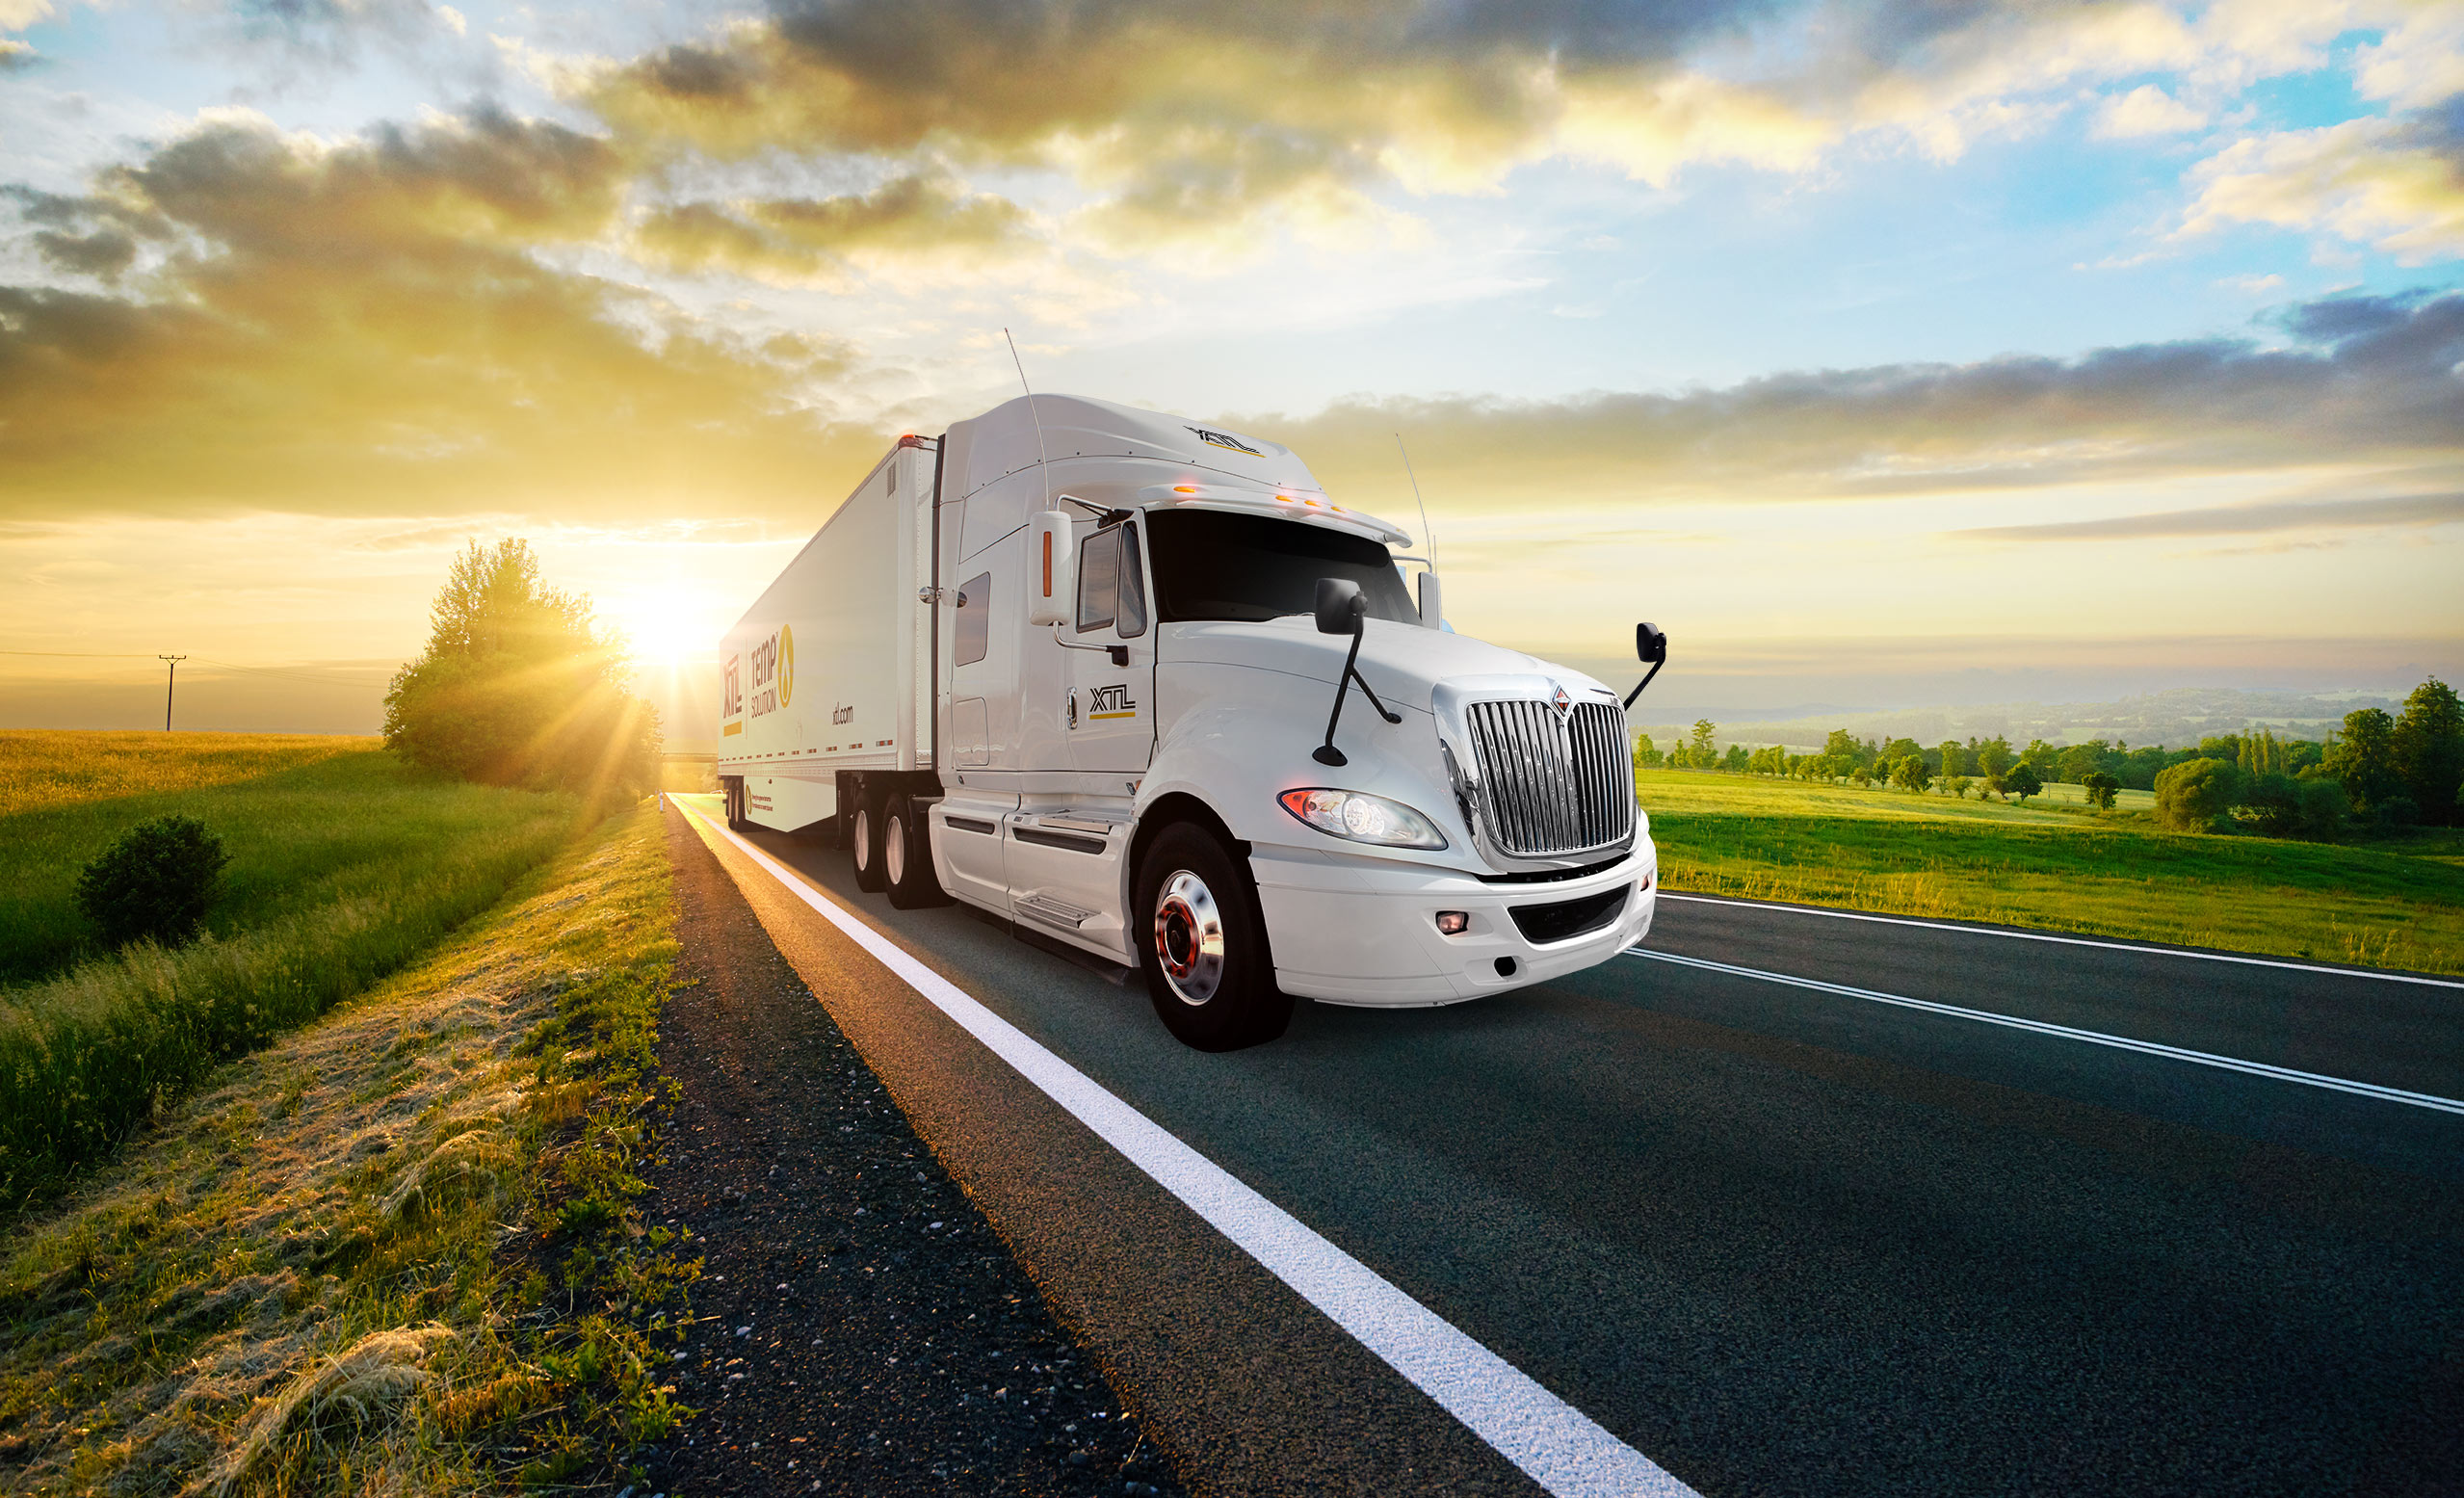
{"points": [[1225, 439], [731, 694], [1113, 701]]}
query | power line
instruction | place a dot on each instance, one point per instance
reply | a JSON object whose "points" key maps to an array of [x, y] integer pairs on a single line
{"points": [[87, 655]]}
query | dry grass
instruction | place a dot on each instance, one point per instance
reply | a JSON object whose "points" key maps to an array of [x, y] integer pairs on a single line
{"points": [[328, 1272]]}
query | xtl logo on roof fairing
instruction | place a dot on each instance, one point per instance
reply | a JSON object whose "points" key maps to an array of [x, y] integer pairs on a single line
{"points": [[1225, 439]]}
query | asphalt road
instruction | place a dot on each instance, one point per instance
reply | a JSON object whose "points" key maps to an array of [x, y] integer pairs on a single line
{"points": [[1778, 1240]]}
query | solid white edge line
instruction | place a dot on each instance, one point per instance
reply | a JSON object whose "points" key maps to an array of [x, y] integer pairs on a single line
{"points": [[2068, 941], [2254, 1068], [1558, 1446]]}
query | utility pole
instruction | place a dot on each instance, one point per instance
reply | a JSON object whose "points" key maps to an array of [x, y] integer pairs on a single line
{"points": [[169, 683]]}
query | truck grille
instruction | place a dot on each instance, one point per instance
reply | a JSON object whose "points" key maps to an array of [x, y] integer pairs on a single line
{"points": [[1552, 785]]}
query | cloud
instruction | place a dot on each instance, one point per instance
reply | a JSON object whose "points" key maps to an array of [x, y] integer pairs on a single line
{"points": [[2239, 520], [367, 326], [2397, 184], [2369, 380], [2146, 110], [905, 220]]}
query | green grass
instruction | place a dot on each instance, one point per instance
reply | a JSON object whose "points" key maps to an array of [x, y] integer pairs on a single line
{"points": [[394, 1251], [345, 865], [2397, 905]]}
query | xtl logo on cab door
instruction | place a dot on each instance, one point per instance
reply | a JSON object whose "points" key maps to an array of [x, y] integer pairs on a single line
{"points": [[1113, 701]]}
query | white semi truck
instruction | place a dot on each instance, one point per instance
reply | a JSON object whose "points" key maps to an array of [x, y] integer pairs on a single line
{"points": [[1146, 688]]}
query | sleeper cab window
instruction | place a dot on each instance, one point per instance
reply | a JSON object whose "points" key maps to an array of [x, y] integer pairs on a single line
{"points": [[1110, 594], [975, 621]]}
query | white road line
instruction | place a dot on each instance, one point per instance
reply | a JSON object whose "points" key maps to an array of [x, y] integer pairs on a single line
{"points": [[1562, 1449], [2068, 941], [2064, 1032]]}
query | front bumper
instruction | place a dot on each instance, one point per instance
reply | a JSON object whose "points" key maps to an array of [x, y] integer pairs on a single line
{"points": [[1363, 931]]}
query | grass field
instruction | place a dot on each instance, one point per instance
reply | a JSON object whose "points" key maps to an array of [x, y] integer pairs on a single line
{"points": [[392, 1252], [345, 865], [2383, 905]]}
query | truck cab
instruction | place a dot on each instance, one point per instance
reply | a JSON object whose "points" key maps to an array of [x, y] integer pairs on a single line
{"points": [[1185, 713]]}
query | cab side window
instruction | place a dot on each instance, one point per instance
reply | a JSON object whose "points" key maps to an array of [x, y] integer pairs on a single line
{"points": [[975, 621], [1111, 592], [1099, 566]]}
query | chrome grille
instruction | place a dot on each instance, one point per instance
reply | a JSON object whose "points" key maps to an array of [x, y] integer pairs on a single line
{"points": [[1548, 784]]}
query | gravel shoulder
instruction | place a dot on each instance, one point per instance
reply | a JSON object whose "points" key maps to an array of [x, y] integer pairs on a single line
{"points": [[858, 1326]]}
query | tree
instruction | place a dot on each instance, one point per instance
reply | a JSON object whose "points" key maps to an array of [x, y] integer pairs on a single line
{"points": [[1646, 754], [2075, 764], [1898, 749], [1842, 748], [2100, 788], [1957, 785], [2195, 796], [1910, 773], [1735, 760], [2022, 781], [519, 686], [2039, 756], [154, 884], [2140, 768], [2427, 749], [1954, 758], [1994, 757], [2364, 757]]}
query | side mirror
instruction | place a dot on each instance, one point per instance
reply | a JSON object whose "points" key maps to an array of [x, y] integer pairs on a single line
{"points": [[1433, 601], [1651, 647], [1052, 562], [1340, 606]]}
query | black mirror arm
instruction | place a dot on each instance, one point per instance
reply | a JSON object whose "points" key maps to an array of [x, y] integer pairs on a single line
{"points": [[1327, 754], [1645, 681]]}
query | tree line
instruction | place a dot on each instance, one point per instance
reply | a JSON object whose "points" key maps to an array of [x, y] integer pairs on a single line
{"points": [[2379, 769]]}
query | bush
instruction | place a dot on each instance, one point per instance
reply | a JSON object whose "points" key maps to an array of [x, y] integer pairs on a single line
{"points": [[2193, 796], [156, 882], [2023, 782]]}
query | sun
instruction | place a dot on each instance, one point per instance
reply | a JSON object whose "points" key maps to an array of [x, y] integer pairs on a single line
{"points": [[665, 628]]}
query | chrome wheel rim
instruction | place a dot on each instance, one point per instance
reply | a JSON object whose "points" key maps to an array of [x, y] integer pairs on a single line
{"points": [[863, 837], [1189, 938], [894, 851]]}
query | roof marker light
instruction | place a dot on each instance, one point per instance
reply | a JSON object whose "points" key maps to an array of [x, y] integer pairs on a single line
{"points": [[1184, 488]]}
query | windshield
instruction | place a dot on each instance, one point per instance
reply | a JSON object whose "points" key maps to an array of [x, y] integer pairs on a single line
{"points": [[1215, 565]]}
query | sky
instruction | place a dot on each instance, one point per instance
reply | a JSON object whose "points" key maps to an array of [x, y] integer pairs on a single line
{"points": [[1883, 355]]}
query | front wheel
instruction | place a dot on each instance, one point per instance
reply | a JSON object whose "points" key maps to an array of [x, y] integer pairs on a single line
{"points": [[864, 836], [1204, 945]]}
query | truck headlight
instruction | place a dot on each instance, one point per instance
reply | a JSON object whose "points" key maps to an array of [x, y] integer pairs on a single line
{"points": [[1363, 818]]}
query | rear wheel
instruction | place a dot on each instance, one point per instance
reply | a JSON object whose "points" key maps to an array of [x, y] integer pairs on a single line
{"points": [[906, 856], [864, 837], [734, 801], [1204, 945]]}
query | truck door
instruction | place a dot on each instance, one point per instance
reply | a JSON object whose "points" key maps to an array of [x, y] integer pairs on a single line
{"points": [[1109, 715]]}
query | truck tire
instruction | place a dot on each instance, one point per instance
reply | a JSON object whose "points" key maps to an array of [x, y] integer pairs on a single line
{"points": [[1204, 945], [734, 801], [864, 841], [906, 858]]}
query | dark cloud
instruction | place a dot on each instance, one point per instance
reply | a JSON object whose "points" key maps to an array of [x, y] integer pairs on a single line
{"points": [[364, 327], [2375, 381], [909, 217], [2239, 520]]}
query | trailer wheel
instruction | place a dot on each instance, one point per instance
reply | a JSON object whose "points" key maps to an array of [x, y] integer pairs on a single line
{"points": [[906, 858], [734, 801], [864, 837], [1203, 944]]}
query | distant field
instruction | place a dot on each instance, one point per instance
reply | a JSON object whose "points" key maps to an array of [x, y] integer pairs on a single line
{"points": [[343, 865], [2383, 905], [44, 768]]}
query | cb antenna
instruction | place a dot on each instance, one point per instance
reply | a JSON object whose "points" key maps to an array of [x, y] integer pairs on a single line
{"points": [[1426, 534], [1043, 460]]}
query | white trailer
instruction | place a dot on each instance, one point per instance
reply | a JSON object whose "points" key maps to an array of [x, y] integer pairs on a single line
{"points": [[1146, 688]]}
